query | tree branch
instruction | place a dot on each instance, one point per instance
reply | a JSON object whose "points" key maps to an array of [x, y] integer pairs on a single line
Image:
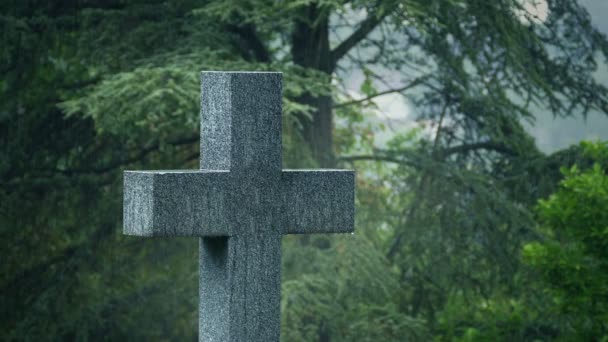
{"points": [[250, 42], [464, 148], [365, 27], [377, 158], [410, 85], [118, 163], [413, 160]]}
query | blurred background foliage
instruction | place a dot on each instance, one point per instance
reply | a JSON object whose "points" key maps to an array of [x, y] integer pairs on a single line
{"points": [[465, 230]]}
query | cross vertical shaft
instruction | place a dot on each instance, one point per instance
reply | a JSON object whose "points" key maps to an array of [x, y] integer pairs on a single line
{"points": [[241, 132]]}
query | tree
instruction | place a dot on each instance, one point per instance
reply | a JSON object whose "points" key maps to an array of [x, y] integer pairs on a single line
{"points": [[93, 87], [571, 260]]}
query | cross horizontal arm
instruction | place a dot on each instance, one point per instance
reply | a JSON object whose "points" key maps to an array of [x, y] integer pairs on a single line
{"points": [[175, 203], [318, 201]]}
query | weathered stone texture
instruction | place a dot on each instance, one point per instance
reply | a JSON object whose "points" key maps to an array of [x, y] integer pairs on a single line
{"points": [[318, 201], [239, 204], [241, 121]]}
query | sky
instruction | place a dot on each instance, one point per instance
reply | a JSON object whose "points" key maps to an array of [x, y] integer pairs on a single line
{"points": [[551, 133], [556, 133]]}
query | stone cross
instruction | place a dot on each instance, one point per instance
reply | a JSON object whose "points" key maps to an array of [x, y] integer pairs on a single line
{"points": [[239, 204]]}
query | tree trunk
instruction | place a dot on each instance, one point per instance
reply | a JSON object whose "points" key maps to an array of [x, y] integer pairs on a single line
{"points": [[324, 334], [310, 49]]}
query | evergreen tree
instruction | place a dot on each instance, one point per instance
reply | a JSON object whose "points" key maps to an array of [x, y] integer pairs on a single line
{"points": [[91, 88]]}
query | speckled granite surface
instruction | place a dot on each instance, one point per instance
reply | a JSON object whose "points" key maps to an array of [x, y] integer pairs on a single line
{"points": [[239, 204]]}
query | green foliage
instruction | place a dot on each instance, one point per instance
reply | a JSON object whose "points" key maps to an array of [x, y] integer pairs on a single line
{"points": [[480, 319], [164, 100], [367, 87], [443, 210], [572, 259], [349, 295]]}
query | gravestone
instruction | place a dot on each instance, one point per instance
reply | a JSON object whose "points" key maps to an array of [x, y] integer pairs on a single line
{"points": [[239, 204]]}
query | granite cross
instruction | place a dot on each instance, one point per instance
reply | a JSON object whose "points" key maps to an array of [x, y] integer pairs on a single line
{"points": [[239, 204]]}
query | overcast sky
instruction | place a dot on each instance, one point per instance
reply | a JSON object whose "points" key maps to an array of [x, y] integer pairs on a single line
{"points": [[553, 134], [550, 133]]}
